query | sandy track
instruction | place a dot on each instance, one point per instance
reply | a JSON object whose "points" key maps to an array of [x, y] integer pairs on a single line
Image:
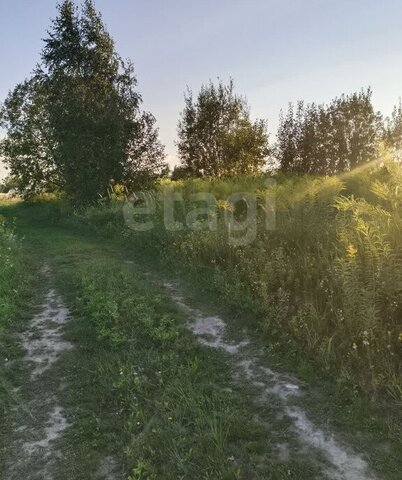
{"points": [[40, 421], [341, 462]]}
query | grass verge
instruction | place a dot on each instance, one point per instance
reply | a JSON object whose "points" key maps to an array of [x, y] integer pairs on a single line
{"points": [[17, 294]]}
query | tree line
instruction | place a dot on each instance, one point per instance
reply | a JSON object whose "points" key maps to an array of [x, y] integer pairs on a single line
{"points": [[76, 124]]}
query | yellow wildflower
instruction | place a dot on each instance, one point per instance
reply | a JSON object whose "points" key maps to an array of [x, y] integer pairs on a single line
{"points": [[351, 250]]}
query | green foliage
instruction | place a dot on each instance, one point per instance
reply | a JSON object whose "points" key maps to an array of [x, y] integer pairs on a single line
{"points": [[141, 390], [393, 132], [327, 279], [181, 172], [217, 137], [329, 139], [77, 124], [9, 184], [108, 306], [10, 270], [175, 419], [13, 289], [28, 146]]}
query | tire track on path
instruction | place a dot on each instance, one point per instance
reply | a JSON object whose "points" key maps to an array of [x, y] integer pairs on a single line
{"points": [[340, 461], [40, 421]]}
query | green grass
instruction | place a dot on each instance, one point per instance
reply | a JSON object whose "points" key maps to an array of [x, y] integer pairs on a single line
{"points": [[17, 291], [140, 388], [286, 289], [324, 288], [160, 399], [326, 280]]}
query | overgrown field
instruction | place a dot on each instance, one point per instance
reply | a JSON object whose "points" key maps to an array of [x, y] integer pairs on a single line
{"points": [[320, 286], [144, 398], [325, 278]]}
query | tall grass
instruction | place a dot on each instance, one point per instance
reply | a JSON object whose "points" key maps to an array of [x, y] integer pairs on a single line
{"points": [[9, 255], [12, 286], [328, 278]]}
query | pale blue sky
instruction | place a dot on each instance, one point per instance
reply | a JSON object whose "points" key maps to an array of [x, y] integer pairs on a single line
{"points": [[276, 50]]}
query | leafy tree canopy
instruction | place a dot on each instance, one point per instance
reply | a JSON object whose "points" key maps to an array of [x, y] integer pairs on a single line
{"points": [[77, 123], [327, 139], [216, 135]]}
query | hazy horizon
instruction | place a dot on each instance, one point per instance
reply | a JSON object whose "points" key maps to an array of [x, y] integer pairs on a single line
{"points": [[296, 50]]}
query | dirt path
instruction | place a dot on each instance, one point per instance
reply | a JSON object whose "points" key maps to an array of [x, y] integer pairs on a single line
{"points": [[39, 420], [336, 460]]}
